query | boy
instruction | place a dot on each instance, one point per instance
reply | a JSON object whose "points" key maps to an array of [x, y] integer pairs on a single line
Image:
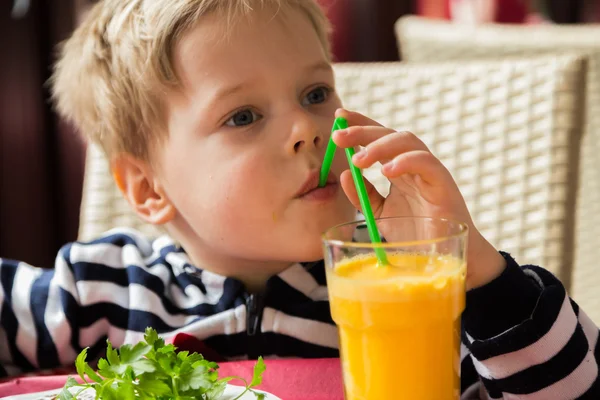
{"points": [[214, 115]]}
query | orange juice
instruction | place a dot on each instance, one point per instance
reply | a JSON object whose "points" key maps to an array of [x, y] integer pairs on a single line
{"points": [[399, 326]]}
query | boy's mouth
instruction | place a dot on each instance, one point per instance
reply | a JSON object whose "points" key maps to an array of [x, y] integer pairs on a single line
{"points": [[311, 190]]}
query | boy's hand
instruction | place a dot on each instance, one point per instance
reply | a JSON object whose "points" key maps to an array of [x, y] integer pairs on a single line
{"points": [[421, 186]]}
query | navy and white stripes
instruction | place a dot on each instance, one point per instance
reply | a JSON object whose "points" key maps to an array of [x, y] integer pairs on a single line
{"points": [[523, 338], [551, 354]]}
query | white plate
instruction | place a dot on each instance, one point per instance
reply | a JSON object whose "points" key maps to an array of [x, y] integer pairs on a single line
{"points": [[230, 393]]}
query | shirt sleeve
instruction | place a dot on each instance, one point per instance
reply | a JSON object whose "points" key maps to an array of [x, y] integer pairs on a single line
{"points": [[528, 340], [38, 316]]}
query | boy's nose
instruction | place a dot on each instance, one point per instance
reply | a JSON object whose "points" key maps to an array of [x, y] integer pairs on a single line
{"points": [[300, 144], [305, 135]]}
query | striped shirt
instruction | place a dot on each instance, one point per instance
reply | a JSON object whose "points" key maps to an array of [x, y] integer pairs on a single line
{"points": [[523, 337]]}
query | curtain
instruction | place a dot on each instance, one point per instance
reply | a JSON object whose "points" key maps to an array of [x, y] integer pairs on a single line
{"points": [[517, 11], [41, 159], [364, 29]]}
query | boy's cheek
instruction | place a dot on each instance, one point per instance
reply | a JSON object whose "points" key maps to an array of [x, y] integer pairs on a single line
{"points": [[242, 194]]}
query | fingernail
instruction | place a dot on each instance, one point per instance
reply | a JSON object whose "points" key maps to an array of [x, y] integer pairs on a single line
{"points": [[360, 155], [388, 167], [342, 132]]}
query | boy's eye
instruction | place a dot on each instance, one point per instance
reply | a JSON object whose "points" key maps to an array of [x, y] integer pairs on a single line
{"points": [[316, 96], [243, 118]]}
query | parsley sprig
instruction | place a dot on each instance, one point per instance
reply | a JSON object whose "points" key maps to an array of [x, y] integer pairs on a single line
{"points": [[154, 370]]}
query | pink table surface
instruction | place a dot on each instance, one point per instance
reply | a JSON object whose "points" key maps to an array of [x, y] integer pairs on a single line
{"points": [[288, 379]]}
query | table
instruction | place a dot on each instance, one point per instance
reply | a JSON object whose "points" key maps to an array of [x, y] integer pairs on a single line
{"points": [[289, 379]]}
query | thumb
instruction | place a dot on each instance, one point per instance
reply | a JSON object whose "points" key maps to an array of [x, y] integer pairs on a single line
{"points": [[350, 189]]}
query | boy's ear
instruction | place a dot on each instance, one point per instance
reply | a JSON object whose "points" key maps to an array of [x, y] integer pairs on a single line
{"points": [[144, 193]]}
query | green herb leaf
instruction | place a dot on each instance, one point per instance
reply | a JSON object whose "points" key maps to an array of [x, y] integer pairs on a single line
{"points": [[259, 369], [151, 336], [80, 363], [111, 355], [130, 355], [259, 396], [166, 349], [71, 382], [104, 369], [92, 374], [157, 388], [65, 394], [126, 390], [216, 391], [153, 370], [107, 390], [197, 378]]}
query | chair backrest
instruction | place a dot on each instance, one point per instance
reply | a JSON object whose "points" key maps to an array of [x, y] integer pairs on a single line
{"points": [[425, 40], [508, 131]]}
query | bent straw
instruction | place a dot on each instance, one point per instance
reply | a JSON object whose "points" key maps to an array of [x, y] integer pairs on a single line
{"points": [[361, 189], [329, 154]]}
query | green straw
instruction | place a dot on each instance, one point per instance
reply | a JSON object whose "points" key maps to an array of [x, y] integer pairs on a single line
{"points": [[359, 182], [329, 154]]}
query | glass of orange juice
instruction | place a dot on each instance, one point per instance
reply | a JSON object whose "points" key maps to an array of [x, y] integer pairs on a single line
{"points": [[399, 323]]}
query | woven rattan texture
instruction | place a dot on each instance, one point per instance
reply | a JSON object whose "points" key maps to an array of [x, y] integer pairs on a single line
{"points": [[423, 40], [508, 132]]}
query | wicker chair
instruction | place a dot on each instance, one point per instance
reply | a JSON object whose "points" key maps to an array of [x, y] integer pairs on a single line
{"points": [[424, 40], [509, 132]]}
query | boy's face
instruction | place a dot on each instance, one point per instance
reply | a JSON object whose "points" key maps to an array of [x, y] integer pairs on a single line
{"points": [[247, 134]]}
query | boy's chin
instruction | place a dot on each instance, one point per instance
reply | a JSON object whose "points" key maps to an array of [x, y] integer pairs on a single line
{"points": [[312, 259], [308, 255]]}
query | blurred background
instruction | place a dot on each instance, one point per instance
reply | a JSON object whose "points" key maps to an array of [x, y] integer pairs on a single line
{"points": [[42, 159]]}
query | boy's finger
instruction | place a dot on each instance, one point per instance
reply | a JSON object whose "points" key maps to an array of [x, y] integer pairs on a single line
{"points": [[359, 135], [388, 147], [355, 119], [374, 197], [421, 163]]}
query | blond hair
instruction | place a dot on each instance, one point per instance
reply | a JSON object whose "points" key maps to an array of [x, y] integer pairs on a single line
{"points": [[110, 73]]}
